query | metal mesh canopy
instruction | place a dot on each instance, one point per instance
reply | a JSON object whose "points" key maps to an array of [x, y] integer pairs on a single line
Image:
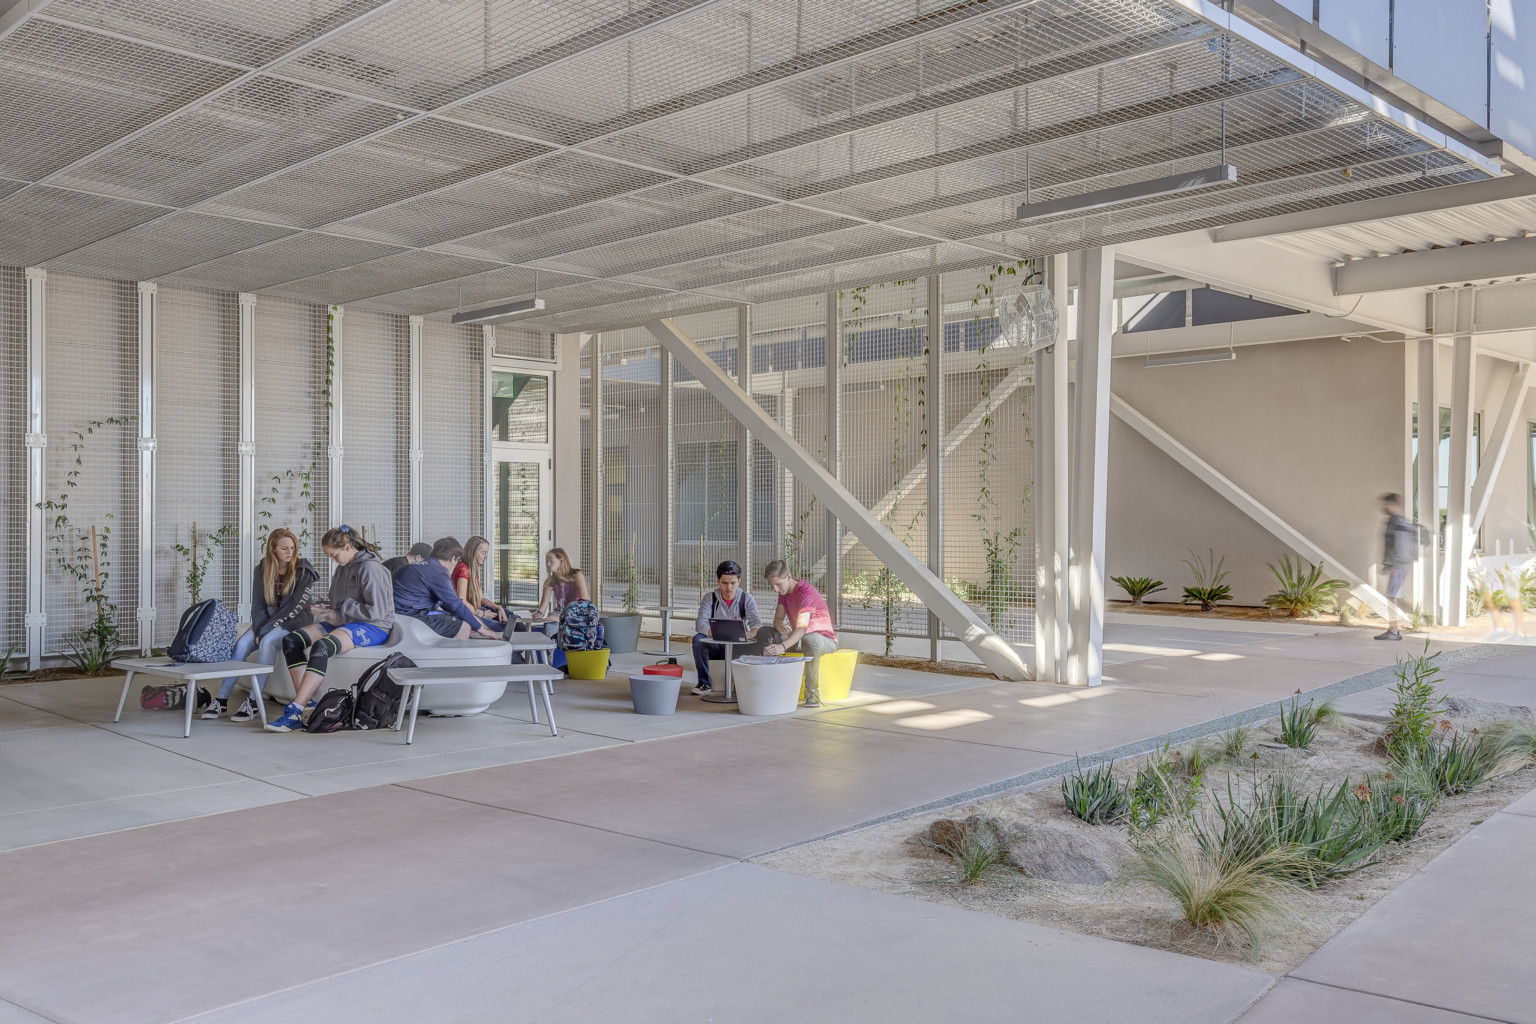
{"points": [[629, 158]]}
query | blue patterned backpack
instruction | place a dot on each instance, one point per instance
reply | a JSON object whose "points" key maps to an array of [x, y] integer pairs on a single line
{"points": [[578, 628], [206, 634]]}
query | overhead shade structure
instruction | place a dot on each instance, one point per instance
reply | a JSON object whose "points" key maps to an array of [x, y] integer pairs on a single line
{"points": [[1222, 174]]}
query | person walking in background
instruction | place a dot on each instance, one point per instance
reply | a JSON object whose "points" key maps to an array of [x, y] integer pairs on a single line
{"points": [[1399, 550], [801, 619], [726, 601]]}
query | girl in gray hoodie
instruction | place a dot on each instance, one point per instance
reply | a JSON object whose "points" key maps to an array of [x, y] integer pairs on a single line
{"points": [[360, 613]]}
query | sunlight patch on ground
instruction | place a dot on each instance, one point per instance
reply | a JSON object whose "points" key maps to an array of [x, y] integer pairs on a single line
{"points": [[1151, 650], [901, 707], [945, 719], [1218, 656], [1071, 697]]}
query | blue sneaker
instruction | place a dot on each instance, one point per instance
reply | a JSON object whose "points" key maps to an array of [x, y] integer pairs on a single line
{"points": [[307, 709], [291, 720]]}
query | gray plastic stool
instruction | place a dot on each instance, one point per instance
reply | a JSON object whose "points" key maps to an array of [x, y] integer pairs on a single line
{"points": [[654, 694]]}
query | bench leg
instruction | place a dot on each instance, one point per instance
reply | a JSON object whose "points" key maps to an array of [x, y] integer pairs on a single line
{"points": [[405, 700], [410, 734], [261, 702], [533, 707], [548, 688], [123, 699], [186, 731]]}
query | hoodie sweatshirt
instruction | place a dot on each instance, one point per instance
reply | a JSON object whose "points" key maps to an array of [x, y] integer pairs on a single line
{"points": [[362, 591], [292, 611]]}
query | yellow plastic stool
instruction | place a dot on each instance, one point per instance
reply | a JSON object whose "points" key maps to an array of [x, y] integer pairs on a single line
{"points": [[835, 674], [587, 664]]}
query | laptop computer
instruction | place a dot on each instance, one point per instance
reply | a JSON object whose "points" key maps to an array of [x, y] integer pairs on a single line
{"points": [[730, 630]]}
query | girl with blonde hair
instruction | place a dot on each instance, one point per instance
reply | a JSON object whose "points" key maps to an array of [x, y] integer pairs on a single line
{"points": [[279, 602], [466, 581]]}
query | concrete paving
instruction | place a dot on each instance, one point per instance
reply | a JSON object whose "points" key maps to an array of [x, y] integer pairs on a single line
{"points": [[747, 944], [1303, 1002]]}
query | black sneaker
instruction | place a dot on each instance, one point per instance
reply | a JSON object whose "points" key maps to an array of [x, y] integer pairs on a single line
{"points": [[1390, 634], [215, 709], [246, 711], [703, 688]]}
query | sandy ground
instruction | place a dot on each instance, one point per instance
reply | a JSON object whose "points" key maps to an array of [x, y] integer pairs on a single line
{"points": [[891, 858]]}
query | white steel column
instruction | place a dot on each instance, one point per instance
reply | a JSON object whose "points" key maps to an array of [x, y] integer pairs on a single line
{"points": [[594, 557], [933, 425], [1429, 468], [744, 448], [1095, 333], [834, 556], [147, 325], [488, 460], [1458, 520], [247, 447], [997, 654], [417, 454], [37, 450], [666, 511], [334, 449], [1052, 490]]}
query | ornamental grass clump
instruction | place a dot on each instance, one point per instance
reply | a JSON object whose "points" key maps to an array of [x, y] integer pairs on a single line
{"points": [[1298, 725], [976, 855], [1393, 808], [1239, 898], [1324, 830]]}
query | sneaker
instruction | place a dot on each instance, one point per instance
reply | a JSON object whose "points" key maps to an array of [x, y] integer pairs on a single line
{"points": [[215, 709], [811, 702], [247, 711], [1390, 634], [307, 709], [703, 688], [291, 720]]}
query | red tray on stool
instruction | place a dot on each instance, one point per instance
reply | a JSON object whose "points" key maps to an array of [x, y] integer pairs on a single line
{"points": [[663, 670]]}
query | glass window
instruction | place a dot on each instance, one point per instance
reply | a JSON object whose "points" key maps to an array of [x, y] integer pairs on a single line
{"points": [[520, 407]]}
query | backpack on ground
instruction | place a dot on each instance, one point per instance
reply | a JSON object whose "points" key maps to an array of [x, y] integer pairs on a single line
{"points": [[171, 697], [205, 634], [332, 713], [376, 697], [578, 628]]}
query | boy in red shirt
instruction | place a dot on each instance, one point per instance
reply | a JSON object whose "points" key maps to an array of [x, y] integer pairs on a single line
{"points": [[801, 619]]}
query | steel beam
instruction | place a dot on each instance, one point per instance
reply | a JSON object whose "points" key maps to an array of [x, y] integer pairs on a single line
{"points": [[1429, 476], [933, 461], [834, 412], [1446, 197], [1460, 264], [37, 450], [246, 345], [666, 505], [744, 447], [145, 613], [488, 451], [335, 449], [1496, 444], [417, 453], [999, 656], [1052, 491], [595, 471], [1247, 503], [1090, 468], [1458, 521]]}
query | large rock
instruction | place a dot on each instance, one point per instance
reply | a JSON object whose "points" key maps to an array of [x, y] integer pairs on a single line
{"points": [[1081, 856], [1467, 714]]}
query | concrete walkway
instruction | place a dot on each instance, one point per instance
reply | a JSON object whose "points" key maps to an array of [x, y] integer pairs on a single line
{"points": [[608, 883]]}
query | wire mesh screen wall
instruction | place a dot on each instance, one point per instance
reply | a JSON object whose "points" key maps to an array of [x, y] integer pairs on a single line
{"points": [[197, 428], [292, 423], [376, 427], [452, 435], [91, 476], [632, 470], [704, 447], [13, 456], [525, 343]]}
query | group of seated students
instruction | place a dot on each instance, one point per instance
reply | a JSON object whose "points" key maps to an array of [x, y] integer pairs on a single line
{"points": [[439, 584], [800, 620]]}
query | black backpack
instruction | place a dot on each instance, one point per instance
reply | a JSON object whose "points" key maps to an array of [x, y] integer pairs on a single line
{"points": [[205, 634], [376, 697], [332, 713]]}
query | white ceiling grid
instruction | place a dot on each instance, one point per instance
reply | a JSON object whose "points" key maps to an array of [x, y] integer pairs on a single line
{"points": [[630, 158]]}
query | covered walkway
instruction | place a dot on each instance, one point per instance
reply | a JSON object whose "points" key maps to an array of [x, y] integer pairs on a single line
{"points": [[613, 882]]}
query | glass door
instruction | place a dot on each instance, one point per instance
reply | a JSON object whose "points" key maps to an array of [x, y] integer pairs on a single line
{"points": [[521, 531]]}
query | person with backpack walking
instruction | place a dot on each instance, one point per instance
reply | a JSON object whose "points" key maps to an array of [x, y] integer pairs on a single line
{"points": [[423, 591], [279, 603], [360, 613], [727, 601], [466, 583], [1399, 550]]}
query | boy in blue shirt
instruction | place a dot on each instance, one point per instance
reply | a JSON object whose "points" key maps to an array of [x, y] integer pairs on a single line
{"points": [[424, 591]]}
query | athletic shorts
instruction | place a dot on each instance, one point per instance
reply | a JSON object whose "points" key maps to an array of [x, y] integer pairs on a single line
{"points": [[363, 634], [442, 623]]}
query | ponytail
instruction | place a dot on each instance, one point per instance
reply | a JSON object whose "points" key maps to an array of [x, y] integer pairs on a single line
{"points": [[345, 536]]}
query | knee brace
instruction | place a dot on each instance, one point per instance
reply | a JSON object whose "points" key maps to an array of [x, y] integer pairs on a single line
{"points": [[293, 647], [321, 654]]}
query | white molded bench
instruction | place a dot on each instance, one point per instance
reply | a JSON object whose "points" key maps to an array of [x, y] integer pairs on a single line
{"points": [[415, 639]]}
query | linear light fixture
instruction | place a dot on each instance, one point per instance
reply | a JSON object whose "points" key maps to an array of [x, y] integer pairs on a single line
{"points": [[1218, 175], [489, 313], [1219, 356]]}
